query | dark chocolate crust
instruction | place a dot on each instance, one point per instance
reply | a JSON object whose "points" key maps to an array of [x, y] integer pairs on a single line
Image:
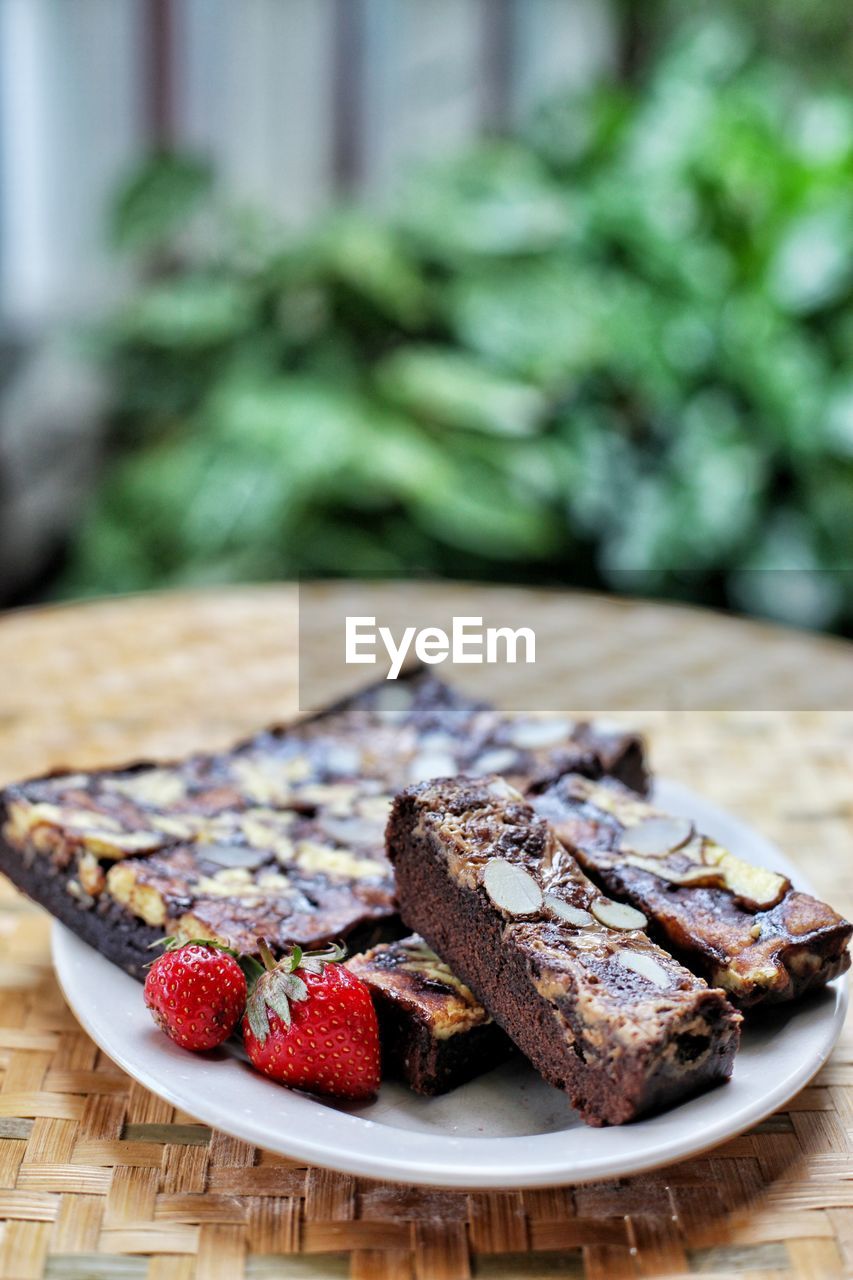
{"points": [[760, 953], [115, 933], [616, 1043]]}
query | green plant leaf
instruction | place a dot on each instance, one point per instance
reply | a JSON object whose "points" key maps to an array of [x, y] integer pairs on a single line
{"points": [[158, 200], [188, 313], [545, 320], [451, 389], [499, 201], [366, 256]]}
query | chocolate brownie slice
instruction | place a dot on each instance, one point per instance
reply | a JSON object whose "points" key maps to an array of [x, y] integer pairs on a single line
{"points": [[209, 864], [435, 1035], [219, 841], [743, 928], [598, 1008]]}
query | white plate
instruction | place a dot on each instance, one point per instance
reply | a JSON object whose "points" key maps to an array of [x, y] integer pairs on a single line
{"points": [[506, 1129]]}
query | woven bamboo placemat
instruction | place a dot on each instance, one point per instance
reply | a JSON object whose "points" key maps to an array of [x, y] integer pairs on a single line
{"points": [[100, 1180]]}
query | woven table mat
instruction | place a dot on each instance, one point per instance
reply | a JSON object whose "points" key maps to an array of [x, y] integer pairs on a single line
{"points": [[101, 1179]]}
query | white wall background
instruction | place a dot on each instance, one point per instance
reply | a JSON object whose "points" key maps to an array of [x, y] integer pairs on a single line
{"points": [[70, 121], [297, 101]]}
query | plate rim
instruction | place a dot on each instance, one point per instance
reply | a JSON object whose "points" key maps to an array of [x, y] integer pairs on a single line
{"points": [[440, 1160]]}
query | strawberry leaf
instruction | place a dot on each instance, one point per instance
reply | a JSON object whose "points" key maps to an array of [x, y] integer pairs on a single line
{"points": [[274, 989], [256, 1012], [175, 942], [276, 997], [315, 961], [294, 988]]}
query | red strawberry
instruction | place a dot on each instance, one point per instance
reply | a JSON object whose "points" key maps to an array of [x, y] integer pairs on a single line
{"points": [[197, 993], [311, 1024]]}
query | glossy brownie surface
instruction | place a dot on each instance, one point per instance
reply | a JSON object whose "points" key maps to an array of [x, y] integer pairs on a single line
{"points": [[743, 927], [282, 836], [413, 976]]}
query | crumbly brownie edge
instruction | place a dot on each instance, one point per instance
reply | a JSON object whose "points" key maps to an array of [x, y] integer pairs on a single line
{"points": [[428, 1065], [123, 938], [824, 958], [807, 957], [109, 928], [449, 918]]}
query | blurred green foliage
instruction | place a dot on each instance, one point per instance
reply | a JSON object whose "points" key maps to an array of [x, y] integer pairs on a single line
{"points": [[615, 350]]}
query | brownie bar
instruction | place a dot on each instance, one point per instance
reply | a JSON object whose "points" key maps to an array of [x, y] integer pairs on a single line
{"points": [[216, 866], [435, 1035], [742, 927], [408, 732], [598, 1008], [281, 836]]}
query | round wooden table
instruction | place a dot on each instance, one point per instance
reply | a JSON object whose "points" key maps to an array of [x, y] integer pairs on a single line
{"points": [[100, 1179]]}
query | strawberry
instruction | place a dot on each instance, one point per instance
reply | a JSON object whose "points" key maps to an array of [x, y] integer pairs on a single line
{"points": [[196, 992], [311, 1024]]}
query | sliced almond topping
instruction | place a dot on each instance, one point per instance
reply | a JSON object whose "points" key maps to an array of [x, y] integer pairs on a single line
{"points": [[115, 844], [352, 830], [393, 700], [573, 915], [500, 789], [695, 873], [656, 837], [342, 758], [231, 855], [618, 915], [530, 734], [645, 965], [431, 764], [498, 760], [756, 887], [163, 787], [511, 888], [311, 856]]}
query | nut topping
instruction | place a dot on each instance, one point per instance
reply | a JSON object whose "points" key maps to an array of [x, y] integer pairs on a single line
{"points": [[231, 855], [656, 837], [572, 915], [645, 965], [547, 732], [755, 887], [500, 789], [511, 888], [498, 760], [353, 830], [618, 915], [431, 764]]}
